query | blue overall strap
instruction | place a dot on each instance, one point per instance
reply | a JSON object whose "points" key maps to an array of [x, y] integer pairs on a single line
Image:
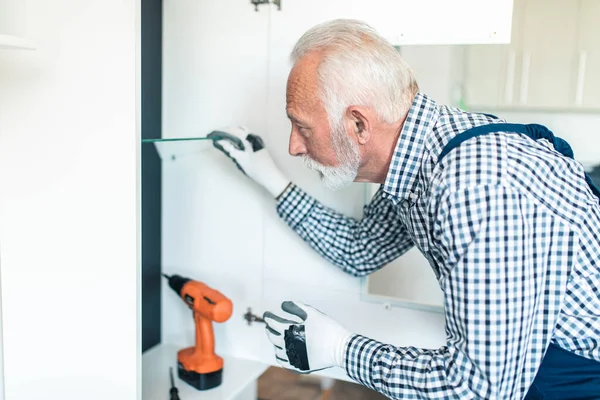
{"points": [[534, 131]]}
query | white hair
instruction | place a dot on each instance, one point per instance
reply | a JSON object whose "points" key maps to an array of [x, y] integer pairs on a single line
{"points": [[359, 67]]}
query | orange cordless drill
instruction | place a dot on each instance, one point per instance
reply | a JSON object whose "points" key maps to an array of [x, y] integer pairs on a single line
{"points": [[199, 366]]}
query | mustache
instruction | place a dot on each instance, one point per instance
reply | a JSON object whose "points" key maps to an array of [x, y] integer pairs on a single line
{"points": [[312, 164]]}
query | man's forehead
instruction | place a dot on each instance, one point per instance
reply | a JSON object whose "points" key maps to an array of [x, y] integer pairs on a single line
{"points": [[303, 76], [298, 104], [300, 85], [301, 100]]}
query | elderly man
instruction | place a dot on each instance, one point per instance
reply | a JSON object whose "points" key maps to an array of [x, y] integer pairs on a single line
{"points": [[508, 220]]}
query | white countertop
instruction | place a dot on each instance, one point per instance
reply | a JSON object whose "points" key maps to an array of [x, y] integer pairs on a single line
{"points": [[156, 383]]}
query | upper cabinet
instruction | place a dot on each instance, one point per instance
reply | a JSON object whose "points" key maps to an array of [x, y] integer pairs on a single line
{"points": [[405, 22], [547, 50], [549, 63], [587, 89]]}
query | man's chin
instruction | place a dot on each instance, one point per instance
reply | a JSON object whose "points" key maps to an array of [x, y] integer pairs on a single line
{"points": [[331, 177], [334, 184]]}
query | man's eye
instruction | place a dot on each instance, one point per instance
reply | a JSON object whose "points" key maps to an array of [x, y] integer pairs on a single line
{"points": [[303, 130]]}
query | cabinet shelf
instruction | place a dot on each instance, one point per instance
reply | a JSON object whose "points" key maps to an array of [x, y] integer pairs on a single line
{"points": [[164, 140], [170, 149], [15, 43], [237, 375]]}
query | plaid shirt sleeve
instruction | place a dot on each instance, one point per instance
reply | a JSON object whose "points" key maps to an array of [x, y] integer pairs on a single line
{"points": [[504, 280], [357, 247]]}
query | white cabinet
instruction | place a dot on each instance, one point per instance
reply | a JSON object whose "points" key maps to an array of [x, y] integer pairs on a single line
{"points": [[548, 57], [408, 281], [225, 63], [68, 203], [490, 71], [405, 22], [438, 70], [587, 89], [548, 64]]}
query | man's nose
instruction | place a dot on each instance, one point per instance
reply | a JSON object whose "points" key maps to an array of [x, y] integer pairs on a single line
{"points": [[297, 147]]}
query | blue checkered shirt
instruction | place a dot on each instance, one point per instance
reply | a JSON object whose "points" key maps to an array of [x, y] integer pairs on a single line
{"points": [[512, 232]]}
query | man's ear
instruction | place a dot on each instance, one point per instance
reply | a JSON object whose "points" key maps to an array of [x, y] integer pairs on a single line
{"points": [[359, 123]]}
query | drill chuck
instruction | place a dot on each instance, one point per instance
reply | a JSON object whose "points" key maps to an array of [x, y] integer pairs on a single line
{"points": [[176, 282]]}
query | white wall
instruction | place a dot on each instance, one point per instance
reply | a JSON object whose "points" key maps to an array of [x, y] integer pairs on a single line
{"points": [[68, 202]]}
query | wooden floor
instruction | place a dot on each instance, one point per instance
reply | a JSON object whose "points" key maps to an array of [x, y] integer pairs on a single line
{"points": [[280, 384]]}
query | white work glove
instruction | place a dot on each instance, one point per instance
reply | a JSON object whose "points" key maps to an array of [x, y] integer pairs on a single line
{"points": [[305, 339], [248, 152]]}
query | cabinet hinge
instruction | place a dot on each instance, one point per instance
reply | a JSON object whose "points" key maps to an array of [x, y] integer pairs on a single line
{"points": [[261, 2], [250, 318]]}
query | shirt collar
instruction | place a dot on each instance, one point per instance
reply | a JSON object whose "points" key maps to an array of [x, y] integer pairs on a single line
{"points": [[406, 160]]}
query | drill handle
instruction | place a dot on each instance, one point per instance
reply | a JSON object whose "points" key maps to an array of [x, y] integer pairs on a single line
{"points": [[205, 336]]}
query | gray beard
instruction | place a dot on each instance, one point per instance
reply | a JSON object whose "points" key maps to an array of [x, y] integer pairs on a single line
{"points": [[349, 161]]}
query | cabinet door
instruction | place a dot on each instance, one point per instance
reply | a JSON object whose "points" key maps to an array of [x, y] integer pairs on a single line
{"points": [[215, 61], [587, 91], [549, 56], [69, 140], [489, 76], [438, 70], [490, 70]]}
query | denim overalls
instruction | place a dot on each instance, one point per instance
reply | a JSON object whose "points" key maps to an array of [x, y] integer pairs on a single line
{"points": [[562, 375]]}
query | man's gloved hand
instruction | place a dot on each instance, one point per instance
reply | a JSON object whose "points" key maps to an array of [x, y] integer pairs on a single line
{"points": [[305, 339], [251, 157]]}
